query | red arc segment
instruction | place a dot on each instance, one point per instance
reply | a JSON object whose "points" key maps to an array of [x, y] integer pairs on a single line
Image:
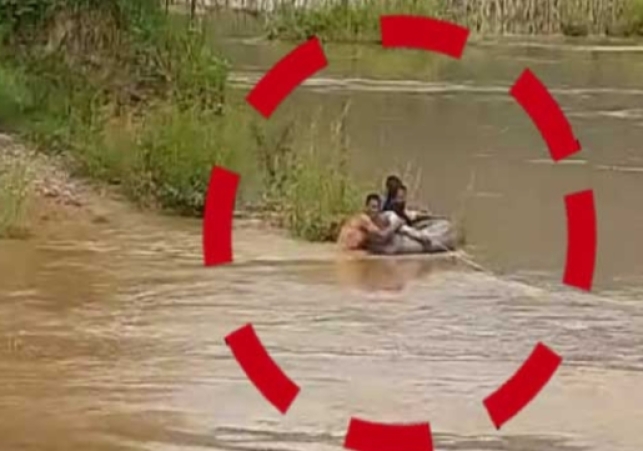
{"points": [[303, 62], [368, 436], [261, 369], [217, 218], [581, 240], [424, 33], [515, 394], [546, 114]]}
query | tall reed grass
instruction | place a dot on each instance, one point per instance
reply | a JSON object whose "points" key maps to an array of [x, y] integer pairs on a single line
{"points": [[15, 199], [358, 20]]}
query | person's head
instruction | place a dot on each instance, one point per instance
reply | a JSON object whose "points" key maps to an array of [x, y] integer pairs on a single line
{"points": [[398, 199], [373, 204], [393, 182]]}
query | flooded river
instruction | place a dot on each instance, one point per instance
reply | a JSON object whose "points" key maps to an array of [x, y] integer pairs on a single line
{"points": [[112, 334]]}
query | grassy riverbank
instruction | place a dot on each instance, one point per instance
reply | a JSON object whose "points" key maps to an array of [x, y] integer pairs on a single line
{"points": [[139, 101], [358, 21]]}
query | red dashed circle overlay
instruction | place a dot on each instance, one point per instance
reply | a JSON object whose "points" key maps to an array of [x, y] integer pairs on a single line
{"points": [[423, 33]]}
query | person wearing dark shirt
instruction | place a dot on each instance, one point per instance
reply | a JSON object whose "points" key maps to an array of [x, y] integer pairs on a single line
{"points": [[393, 182], [397, 204]]}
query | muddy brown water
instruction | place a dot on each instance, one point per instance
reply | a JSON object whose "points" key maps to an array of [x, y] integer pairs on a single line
{"points": [[112, 334]]}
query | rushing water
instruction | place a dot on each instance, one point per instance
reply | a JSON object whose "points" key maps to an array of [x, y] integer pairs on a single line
{"points": [[112, 334]]}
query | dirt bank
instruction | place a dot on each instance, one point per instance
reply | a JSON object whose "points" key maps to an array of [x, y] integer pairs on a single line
{"points": [[52, 195]]}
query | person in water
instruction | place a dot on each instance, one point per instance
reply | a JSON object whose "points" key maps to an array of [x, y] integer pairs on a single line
{"points": [[399, 218], [397, 203], [392, 183], [395, 200], [367, 225]]}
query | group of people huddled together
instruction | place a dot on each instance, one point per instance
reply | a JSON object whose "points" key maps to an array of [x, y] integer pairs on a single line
{"points": [[383, 219]]}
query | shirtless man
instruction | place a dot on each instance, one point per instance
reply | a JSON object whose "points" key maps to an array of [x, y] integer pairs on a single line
{"points": [[366, 225]]}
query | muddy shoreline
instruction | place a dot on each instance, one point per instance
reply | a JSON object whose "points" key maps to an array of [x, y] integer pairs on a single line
{"points": [[53, 193], [56, 195]]}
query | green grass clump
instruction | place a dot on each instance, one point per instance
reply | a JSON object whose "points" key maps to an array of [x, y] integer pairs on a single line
{"points": [[309, 187], [15, 196], [15, 96], [319, 200], [633, 18], [164, 158]]}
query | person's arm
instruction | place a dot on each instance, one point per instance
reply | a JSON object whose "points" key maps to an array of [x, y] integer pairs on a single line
{"points": [[418, 215], [423, 215], [414, 234], [394, 224]]}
